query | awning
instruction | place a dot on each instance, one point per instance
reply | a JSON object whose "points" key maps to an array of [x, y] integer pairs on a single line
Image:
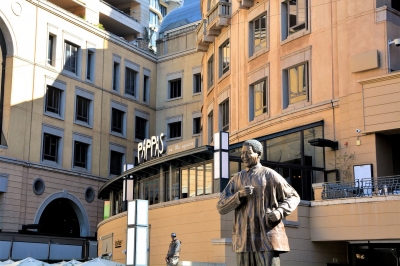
{"points": [[152, 167]]}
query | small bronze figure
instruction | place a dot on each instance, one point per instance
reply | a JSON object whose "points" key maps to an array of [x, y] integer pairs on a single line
{"points": [[261, 198]]}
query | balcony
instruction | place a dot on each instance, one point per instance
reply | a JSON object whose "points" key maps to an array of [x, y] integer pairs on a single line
{"points": [[117, 21], [218, 17], [203, 40]]}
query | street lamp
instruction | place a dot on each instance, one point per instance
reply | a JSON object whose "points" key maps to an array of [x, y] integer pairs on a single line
{"points": [[395, 42]]}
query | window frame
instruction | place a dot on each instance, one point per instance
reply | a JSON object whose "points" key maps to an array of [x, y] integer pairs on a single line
{"points": [[210, 72], [90, 64], [61, 87], [146, 86], [286, 36], [123, 109], [57, 133], [252, 97], [89, 96], [87, 140], [224, 50], [173, 120], [286, 85], [210, 122], [74, 70], [197, 83], [51, 49], [177, 82], [196, 116], [224, 115], [145, 116], [254, 50], [131, 77], [116, 73], [120, 149]]}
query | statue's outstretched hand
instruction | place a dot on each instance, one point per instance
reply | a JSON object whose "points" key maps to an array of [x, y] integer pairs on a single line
{"points": [[247, 190], [274, 216]]}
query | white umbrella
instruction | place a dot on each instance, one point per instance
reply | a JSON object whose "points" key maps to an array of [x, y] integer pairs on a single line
{"points": [[29, 262], [101, 262], [67, 263], [6, 262]]}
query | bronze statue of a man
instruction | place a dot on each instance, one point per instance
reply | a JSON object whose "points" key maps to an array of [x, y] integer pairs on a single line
{"points": [[261, 198]]}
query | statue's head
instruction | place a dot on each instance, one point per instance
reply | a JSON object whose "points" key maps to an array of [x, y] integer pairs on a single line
{"points": [[251, 152]]}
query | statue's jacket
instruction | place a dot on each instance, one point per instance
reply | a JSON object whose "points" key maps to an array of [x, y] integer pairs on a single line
{"points": [[252, 230]]}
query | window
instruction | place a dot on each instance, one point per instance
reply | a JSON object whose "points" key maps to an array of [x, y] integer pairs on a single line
{"points": [[140, 128], [82, 109], [117, 120], [53, 100], [153, 19], [258, 34], [117, 158], [130, 82], [196, 125], [163, 10], [210, 126], [116, 163], [52, 140], [146, 90], [50, 50], [90, 65], [115, 76], [80, 154], [224, 111], [210, 72], [396, 5], [71, 57], [50, 147], [174, 130], [197, 180], [258, 98], [175, 89], [224, 54], [197, 83], [151, 188], [294, 17], [297, 83]]}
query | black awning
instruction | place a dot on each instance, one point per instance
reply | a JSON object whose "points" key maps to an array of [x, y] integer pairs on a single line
{"points": [[153, 166]]}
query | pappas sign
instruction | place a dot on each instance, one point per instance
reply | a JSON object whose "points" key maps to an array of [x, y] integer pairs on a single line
{"points": [[153, 147]]}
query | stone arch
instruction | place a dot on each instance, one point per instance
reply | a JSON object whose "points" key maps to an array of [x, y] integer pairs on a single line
{"points": [[9, 36], [75, 204]]}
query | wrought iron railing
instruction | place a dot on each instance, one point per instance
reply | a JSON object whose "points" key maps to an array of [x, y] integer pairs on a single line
{"points": [[362, 188]]}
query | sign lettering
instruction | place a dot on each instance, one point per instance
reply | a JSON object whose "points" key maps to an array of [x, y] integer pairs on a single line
{"points": [[153, 147]]}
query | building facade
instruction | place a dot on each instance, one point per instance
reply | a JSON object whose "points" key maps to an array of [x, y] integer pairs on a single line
{"points": [[317, 84]]}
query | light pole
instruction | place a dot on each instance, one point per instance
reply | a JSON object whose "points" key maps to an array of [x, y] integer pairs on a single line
{"points": [[395, 42]]}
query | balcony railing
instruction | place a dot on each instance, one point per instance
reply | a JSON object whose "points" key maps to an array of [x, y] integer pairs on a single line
{"points": [[116, 9], [220, 9], [362, 188]]}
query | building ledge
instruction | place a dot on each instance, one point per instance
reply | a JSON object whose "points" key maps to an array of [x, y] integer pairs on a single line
{"points": [[355, 200]]}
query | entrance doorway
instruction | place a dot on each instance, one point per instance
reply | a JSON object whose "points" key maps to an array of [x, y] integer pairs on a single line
{"points": [[374, 254], [59, 218]]}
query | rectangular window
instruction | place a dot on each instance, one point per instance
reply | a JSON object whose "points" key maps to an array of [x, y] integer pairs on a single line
{"points": [[260, 98], [210, 72], [90, 65], [71, 57], [117, 120], [210, 126], [185, 183], [297, 81], [294, 16], [163, 10], [140, 129], [146, 81], [130, 82], [258, 33], [50, 147], [82, 109], [174, 130], [196, 125], [53, 100], [80, 154], [224, 51], [224, 108], [154, 19], [115, 76], [197, 83], [116, 162], [175, 88], [396, 4], [50, 50]]}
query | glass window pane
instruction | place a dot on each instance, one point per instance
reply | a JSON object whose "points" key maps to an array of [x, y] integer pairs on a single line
{"points": [[200, 180], [185, 181], [209, 178], [156, 188], [175, 185], [313, 156], [233, 168], [292, 13], [192, 182], [285, 149], [301, 14]]}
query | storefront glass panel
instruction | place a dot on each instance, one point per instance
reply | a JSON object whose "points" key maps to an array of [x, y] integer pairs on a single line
{"points": [[192, 182], [314, 156], [185, 183], [175, 184], [209, 178], [200, 180], [285, 149]]}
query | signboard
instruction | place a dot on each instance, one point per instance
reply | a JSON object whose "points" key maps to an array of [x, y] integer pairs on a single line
{"points": [[183, 146], [153, 147]]}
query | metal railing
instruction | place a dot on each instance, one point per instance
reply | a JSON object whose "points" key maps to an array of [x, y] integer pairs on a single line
{"points": [[118, 10], [220, 9], [362, 188]]}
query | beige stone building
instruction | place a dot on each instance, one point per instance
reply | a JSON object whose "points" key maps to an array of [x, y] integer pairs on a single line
{"points": [[317, 83]]}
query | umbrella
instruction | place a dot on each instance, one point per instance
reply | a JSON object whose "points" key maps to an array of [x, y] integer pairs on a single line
{"points": [[67, 263], [28, 262], [101, 262], [6, 262]]}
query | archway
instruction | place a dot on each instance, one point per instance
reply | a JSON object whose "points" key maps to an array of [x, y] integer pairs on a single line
{"points": [[63, 214]]}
